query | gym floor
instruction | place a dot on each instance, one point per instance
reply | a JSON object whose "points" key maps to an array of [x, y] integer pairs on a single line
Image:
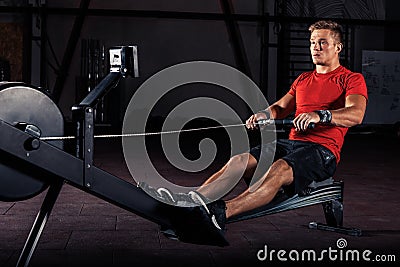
{"points": [[86, 231]]}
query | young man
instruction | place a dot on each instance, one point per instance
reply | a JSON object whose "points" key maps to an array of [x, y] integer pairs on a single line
{"points": [[331, 96]]}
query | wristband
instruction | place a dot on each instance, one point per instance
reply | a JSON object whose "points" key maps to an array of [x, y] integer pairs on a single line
{"points": [[325, 116], [266, 113]]}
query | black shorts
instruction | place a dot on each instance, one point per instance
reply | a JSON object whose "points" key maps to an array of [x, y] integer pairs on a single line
{"points": [[309, 161]]}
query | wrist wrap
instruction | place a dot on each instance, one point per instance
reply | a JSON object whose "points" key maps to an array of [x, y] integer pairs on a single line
{"points": [[325, 116]]}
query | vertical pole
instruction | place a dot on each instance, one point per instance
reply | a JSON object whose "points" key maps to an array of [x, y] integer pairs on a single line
{"points": [[27, 40], [264, 52], [69, 51], [39, 224], [237, 41], [43, 45], [88, 146]]}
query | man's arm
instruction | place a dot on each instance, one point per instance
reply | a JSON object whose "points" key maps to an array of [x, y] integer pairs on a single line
{"points": [[279, 110], [283, 107], [352, 114]]}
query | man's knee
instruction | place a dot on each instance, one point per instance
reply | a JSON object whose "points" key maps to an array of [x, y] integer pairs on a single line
{"points": [[244, 160], [281, 170]]}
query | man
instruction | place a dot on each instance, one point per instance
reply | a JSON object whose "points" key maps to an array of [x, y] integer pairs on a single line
{"points": [[331, 97]]}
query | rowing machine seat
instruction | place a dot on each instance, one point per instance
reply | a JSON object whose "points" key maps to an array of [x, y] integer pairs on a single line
{"points": [[328, 192]]}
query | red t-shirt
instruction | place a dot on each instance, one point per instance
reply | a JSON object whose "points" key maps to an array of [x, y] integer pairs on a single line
{"points": [[316, 91]]}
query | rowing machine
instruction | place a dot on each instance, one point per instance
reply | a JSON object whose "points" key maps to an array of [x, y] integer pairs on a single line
{"points": [[29, 164]]}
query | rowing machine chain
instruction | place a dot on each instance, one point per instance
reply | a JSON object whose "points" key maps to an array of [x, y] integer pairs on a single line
{"points": [[51, 138]]}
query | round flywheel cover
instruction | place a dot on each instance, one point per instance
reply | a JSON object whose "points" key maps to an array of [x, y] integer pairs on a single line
{"points": [[20, 103]]}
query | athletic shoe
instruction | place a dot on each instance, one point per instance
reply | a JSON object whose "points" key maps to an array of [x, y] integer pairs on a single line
{"points": [[163, 194], [216, 211], [155, 193], [177, 199], [211, 208], [201, 224]]}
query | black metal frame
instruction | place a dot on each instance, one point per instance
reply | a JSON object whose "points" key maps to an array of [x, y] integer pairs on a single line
{"points": [[108, 187], [40, 221]]}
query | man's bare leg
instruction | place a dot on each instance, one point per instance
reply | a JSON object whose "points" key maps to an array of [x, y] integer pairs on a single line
{"points": [[279, 174], [242, 165]]}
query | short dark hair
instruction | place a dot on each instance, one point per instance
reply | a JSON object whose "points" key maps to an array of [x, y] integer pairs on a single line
{"points": [[328, 25]]}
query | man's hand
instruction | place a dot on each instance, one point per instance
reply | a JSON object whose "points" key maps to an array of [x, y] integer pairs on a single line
{"points": [[251, 123], [303, 120]]}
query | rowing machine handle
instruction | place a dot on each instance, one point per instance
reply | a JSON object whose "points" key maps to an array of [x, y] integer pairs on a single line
{"points": [[284, 122]]}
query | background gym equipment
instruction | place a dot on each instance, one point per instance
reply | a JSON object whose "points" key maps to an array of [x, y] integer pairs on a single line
{"points": [[29, 165]]}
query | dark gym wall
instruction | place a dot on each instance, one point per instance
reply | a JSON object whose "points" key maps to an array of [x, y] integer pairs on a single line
{"points": [[164, 42], [161, 42], [392, 31]]}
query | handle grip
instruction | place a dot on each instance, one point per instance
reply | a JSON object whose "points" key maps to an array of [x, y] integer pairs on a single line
{"points": [[283, 122]]}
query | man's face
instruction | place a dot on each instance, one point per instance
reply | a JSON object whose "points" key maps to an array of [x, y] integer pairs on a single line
{"points": [[324, 48]]}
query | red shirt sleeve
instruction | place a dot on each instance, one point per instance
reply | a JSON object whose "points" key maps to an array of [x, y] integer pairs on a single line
{"points": [[355, 85]]}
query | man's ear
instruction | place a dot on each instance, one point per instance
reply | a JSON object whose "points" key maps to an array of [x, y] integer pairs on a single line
{"points": [[339, 47]]}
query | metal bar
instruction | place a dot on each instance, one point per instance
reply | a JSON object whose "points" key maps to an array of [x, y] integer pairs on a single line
{"points": [[39, 224], [192, 15], [299, 54], [88, 146], [69, 51], [130, 197], [352, 47], [27, 40], [264, 51], [282, 66], [63, 166], [299, 46], [301, 61], [109, 82], [236, 38], [299, 69], [339, 229], [300, 38], [43, 46]]}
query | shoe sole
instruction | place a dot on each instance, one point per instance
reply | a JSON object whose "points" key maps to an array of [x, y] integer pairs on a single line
{"points": [[197, 198], [165, 193]]}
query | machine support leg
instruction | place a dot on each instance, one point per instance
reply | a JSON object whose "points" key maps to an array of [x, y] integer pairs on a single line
{"points": [[334, 220], [333, 211], [39, 224]]}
